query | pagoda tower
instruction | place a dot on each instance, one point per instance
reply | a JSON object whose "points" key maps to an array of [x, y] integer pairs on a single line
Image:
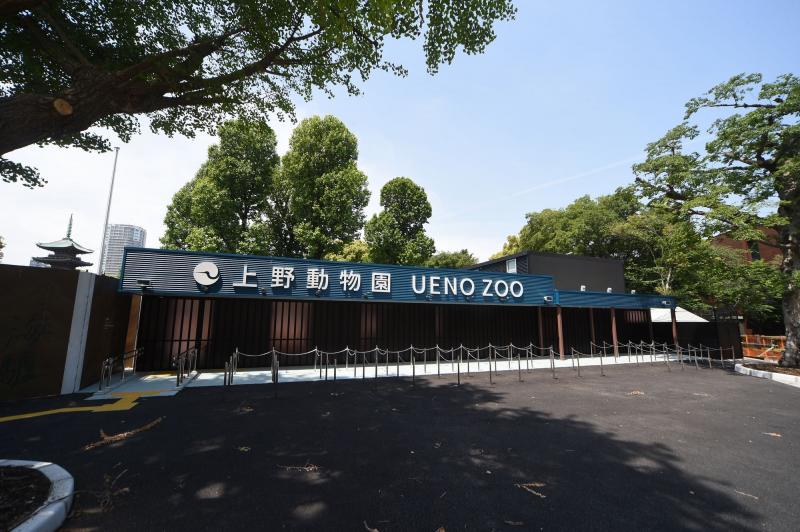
{"points": [[65, 252]]}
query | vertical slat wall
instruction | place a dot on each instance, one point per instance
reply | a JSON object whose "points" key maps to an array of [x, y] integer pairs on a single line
{"points": [[218, 326]]}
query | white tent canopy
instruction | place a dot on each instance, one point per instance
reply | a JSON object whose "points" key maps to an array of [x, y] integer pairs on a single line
{"points": [[662, 315]]}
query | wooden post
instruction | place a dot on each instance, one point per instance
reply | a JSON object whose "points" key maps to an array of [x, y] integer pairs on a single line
{"points": [[541, 328], [674, 326], [591, 329], [614, 331], [560, 327]]}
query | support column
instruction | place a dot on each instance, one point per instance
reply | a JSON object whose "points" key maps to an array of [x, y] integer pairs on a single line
{"points": [[560, 324], [541, 327], [79, 328], [591, 328], [674, 326], [650, 323], [614, 331]]}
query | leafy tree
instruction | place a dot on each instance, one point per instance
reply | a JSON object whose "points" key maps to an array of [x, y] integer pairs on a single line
{"points": [[663, 254], [178, 220], [223, 208], [396, 235], [753, 288], [2, 245], [510, 247], [187, 65], [355, 251], [751, 161], [452, 259], [584, 227], [278, 229], [327, 192]]}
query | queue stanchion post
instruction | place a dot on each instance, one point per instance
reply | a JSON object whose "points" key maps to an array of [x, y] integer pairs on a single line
{"points": [[602, 371], [528, 355], [438, 362], [489, 356], [458, 370], [413, 368]]}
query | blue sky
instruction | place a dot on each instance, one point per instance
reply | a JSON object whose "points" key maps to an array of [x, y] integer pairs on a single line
{"points": [[560, 105]]}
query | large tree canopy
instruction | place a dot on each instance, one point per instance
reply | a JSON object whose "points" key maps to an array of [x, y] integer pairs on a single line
{"points": [[68, 65], [396, 235], [663, 253], [452, 259], [224, 208], [327, 192], [750, 166]]}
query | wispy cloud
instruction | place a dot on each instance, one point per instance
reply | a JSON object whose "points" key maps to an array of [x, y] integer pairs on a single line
{"points": [[546, 184]]}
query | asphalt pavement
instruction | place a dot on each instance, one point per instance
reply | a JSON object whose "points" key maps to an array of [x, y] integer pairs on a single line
{"points": [[641, 448]]}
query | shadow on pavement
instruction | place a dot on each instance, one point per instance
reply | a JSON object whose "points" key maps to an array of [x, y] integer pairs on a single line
{"points": [[335, 456]]}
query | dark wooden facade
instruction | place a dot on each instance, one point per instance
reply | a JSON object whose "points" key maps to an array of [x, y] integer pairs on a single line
{"points": [[218, 326]]}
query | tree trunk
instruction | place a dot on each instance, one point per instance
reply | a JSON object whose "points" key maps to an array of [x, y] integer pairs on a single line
{"points": [[790, 238], [791, 317]]}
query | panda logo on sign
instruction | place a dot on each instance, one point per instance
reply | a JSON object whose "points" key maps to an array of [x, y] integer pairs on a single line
{"points": [[206, 274]]}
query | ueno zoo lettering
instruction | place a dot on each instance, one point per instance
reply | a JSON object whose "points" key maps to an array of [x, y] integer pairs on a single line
{"points": [[440, 285]]}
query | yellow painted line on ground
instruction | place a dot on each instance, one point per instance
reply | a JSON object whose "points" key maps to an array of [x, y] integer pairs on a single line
{"points": [[125, 401]]}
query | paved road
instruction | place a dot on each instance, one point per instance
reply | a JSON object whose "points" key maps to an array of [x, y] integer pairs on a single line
{"points": [[641, 448]]}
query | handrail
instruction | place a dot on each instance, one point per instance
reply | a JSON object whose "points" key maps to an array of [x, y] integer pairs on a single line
{"points": [[109, 363]]}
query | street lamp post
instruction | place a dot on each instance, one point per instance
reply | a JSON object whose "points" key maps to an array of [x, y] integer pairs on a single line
{"points": [[108, 211]]}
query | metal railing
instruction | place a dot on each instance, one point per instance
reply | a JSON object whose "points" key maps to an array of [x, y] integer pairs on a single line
{"points": [[466, 360], [184, 363], [113, 362]]}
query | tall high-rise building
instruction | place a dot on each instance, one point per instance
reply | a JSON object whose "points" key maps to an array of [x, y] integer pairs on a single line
{"points": [[118, 237]]}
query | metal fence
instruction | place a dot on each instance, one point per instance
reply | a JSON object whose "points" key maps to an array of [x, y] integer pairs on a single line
{"points": [[490, 359]]}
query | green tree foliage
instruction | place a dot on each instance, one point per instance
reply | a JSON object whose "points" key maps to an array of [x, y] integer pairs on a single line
{"points": [[327, 192], [355, 251], [751, 163], [660, 249], [754, 288], [510, 247], [188, 65], [584, 227], [452, 259], [2, 245], [396, 235], [663, 252], [224, 207]]}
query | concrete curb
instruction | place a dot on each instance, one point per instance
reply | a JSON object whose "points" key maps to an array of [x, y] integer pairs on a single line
{"points": [[791, 380], [55, 509]]}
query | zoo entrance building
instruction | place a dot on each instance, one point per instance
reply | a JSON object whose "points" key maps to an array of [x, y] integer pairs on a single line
{"points": [[217, 303]]}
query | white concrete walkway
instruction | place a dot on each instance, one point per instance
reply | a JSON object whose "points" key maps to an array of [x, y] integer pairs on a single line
{"points": [[164, 384]]}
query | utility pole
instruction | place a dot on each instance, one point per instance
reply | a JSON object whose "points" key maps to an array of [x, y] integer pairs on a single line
{"points": [[108, 211]]}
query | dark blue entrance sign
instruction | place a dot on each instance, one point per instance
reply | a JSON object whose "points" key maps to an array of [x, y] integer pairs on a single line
{"points": [[188, 273]]}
